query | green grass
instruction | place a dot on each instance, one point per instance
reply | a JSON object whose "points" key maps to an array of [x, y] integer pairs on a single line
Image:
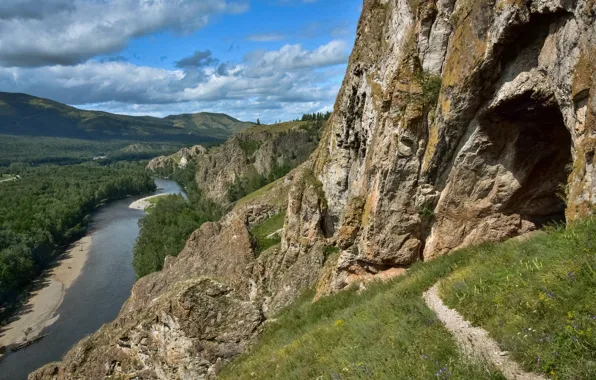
{"points": [[537, 298], [266, 228], [385, 332], [261, 192]]}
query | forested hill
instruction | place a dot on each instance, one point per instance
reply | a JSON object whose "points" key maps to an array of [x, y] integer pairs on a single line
{"points": [[26, 115]]}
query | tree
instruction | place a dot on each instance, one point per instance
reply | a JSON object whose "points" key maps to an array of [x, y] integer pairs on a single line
{"points": [[258, 122]]}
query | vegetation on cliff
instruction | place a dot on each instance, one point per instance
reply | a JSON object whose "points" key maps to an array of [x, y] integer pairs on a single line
{"points": [[268, 233], [535, 296], [249, 183], [48, 207]]}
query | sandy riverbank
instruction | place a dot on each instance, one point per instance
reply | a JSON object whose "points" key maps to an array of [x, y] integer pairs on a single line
{"points": [[143, 203], [39, 312]]}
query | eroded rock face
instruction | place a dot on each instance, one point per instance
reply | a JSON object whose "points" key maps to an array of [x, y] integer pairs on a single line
{"points": [[251, 154], [458, 122], [178, 160], [184, 333]]}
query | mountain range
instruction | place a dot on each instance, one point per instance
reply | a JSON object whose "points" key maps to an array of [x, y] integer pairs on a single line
{"points": [[25, 115]]}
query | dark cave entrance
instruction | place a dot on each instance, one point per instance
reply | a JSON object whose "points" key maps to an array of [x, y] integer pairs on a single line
{"points": [[528, 138]]}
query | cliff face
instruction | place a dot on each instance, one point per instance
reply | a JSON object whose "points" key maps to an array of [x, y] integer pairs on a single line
{"points": [[178, 160], [459, 121], [245, 158], [410, 172]]}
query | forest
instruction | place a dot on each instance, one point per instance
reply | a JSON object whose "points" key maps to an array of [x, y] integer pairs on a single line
{"points": [[48, 207], [38, 150], [170, 222]]}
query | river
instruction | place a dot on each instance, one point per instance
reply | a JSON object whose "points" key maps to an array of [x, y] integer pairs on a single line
{"points": [[100, 291]]}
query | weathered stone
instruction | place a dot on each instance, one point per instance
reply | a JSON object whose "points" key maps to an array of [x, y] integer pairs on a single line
{"points": [[184, 333], [405, 171], [178, 160], [507, 147]]}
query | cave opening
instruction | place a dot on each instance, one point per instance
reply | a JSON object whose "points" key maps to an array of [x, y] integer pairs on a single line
{"points": [[529, 139]]}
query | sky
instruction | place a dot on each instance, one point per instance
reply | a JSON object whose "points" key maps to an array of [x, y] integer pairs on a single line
{"points": [[267, 59]]}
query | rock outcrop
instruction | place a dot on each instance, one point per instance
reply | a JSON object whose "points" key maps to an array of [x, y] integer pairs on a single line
{"points": [[178, 160], [458, 122], [246, 158]]}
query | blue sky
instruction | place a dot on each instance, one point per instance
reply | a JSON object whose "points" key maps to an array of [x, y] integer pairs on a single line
{"points": [[267, 59]]}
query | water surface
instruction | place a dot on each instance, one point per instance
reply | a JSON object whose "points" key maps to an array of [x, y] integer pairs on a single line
{"points": [[100, 291]]}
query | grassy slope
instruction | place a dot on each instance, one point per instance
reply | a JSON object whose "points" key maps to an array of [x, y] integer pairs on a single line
{"points": [[546, 284], [386, 332], [276, 128], [537, 298], [266, 228]]}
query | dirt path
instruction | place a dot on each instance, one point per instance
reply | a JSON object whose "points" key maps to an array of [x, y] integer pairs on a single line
{"points": [[475, 341], [39, 312]]}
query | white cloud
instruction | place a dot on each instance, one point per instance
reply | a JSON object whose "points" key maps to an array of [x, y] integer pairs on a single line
{"points": [[45, 32], [267, 84], [294, 57]]}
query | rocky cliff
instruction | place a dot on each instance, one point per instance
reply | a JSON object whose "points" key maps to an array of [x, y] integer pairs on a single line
{"points": [[458, 122], [178, 160], [247, 160]]}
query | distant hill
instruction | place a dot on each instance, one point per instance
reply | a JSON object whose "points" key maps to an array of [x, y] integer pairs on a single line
{"points": [[25, 115]]}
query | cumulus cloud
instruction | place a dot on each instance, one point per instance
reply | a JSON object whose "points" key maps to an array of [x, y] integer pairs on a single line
{"points": [[288, 81], [294, 57], [197, 59], [33, 9], [68, 32]]}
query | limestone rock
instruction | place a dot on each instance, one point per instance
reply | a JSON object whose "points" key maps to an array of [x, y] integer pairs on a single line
{"points": [[458, 122], [178, 160], [251, 154]]}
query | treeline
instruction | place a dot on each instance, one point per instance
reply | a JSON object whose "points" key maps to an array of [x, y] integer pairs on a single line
{"points": [[169, 224], [39, 150], [48, 207], [318, 116], [164, 232], [314, 123]]}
